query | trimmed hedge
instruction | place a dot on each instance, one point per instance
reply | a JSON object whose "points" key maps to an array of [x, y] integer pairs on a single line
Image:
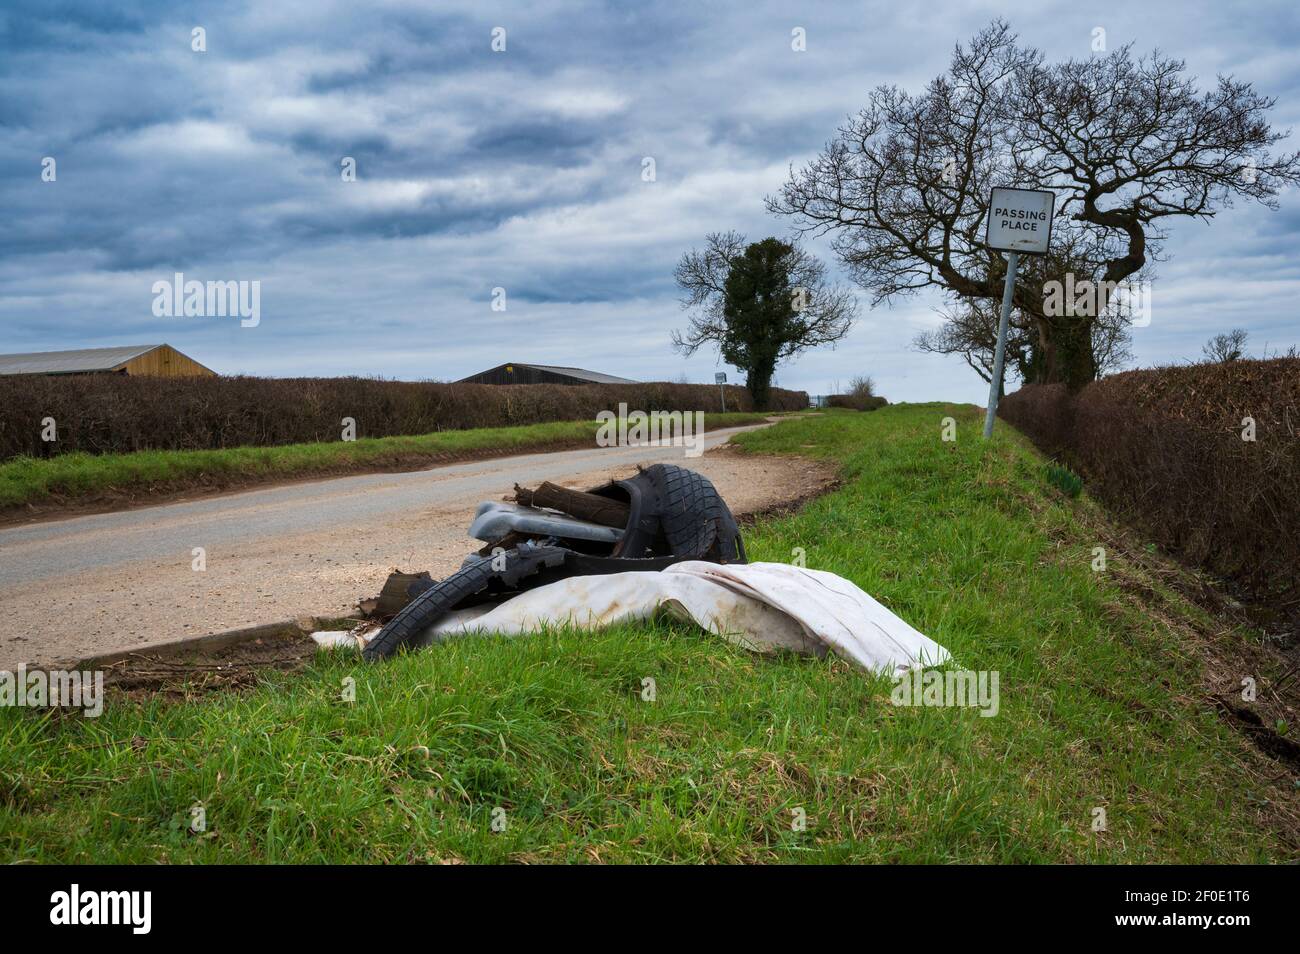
{"points": [[855, 403], [102, 413], [1165, 448]]}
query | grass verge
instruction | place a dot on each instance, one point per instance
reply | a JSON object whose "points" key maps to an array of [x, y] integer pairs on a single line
{"points": [[87, 480], [1101, 707]]}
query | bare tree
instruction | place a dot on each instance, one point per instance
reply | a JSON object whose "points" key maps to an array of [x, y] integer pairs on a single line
{"points": [[970, 329], [1226, 347], [862, 386], [1110, 342], [1127, 145], [760, 303]]}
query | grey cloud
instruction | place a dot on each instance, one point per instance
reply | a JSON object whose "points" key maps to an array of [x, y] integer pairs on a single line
{"points": [[519, 169]]}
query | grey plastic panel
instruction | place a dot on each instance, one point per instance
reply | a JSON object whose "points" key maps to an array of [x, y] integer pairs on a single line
{"points": [[494, 519]]}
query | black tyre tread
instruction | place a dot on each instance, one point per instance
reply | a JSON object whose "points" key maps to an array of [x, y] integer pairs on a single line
{"points": [[691, 514], [425, 610]]}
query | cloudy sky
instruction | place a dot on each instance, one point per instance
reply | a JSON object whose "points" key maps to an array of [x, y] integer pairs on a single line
{"points": [[520, 170]]}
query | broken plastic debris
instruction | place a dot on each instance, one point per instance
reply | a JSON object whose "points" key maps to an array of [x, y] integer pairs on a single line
{"points": [[344, 638]]}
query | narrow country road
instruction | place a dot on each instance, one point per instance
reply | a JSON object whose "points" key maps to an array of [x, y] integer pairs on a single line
{"points": [[92, 584]]}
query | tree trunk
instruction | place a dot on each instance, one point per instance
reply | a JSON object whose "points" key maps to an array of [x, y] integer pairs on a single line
{"points": [[1065, 352], [759, 383]]}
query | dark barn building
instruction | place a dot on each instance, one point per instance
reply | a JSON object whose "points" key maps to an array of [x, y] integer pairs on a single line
{"points": [[516, 373]]}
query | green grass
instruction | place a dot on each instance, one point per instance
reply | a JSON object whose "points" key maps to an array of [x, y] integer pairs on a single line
{"points": [[1064, 480], [80, 477], [967, 542]]}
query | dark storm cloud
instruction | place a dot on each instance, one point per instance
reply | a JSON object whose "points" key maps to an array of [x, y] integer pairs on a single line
{"points": [[553, 142]]}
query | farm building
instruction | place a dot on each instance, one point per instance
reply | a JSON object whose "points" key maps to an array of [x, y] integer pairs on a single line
{"points": [[158, 360], [516, 373]]}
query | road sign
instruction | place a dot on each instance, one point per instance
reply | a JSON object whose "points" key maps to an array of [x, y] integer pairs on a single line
{"points": [[1020, 220], [720, 377], [1020, 223]]}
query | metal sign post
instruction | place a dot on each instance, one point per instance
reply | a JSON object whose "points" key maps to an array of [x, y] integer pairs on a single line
{"points": [[1000, 354], [720, 379], [1020, 222]]}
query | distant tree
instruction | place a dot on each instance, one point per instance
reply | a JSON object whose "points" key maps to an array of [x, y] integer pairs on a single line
{"points": [[861, 395], [862, 387], [1226, 347], [1129, 145], [759, 304]]}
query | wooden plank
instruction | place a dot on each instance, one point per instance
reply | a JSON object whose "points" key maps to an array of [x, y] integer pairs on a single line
{"points": [[576, 503]]}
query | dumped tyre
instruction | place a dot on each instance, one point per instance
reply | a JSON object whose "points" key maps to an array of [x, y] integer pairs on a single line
{"points": [[674, 514], [472, 580], [427, 608]]}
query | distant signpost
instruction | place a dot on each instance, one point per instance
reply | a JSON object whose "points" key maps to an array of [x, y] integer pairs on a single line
{"points": [[1019, 223], [720, 378]]}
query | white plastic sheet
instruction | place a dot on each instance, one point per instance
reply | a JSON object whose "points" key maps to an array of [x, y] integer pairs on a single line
{"points": [[762, 606]]}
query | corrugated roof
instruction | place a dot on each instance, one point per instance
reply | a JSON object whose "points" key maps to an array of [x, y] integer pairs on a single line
{"points": [[71, 362], [595, 377]]}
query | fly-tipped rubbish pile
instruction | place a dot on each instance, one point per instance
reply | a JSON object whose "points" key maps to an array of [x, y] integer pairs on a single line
{"points": [[660, 516]]}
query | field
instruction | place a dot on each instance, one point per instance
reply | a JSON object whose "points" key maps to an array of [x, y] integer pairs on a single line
{"points": [[1105, 679]]}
